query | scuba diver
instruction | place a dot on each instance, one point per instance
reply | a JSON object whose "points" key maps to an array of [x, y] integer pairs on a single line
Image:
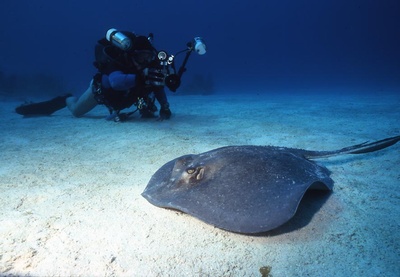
{"points": [[130, 72]]}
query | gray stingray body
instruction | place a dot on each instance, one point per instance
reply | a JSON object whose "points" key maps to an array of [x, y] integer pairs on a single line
{"points": [[245, 189]]}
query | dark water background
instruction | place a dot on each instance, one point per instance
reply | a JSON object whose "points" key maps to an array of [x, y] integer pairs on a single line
{"points": [[255, 44]]}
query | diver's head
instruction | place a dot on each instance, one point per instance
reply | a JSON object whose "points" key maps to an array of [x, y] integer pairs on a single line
{"points": [[142, 51], [143, 57], [129, 41], [138, 47]]}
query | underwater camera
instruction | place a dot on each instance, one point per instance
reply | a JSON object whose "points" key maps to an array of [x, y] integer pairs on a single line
{"points": [[163, 72], [173, 81]]}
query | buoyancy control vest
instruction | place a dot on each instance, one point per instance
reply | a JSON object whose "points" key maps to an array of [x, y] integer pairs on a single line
{"points": [[109, 58]]}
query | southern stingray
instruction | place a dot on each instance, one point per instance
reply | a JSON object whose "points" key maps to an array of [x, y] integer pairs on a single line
{"points": [[245, 189]]}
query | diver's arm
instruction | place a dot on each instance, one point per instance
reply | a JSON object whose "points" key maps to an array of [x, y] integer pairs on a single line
{"points": [[165, 112], [161, 97]]}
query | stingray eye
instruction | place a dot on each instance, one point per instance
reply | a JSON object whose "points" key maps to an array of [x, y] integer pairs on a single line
{"points": [[191, 170]]}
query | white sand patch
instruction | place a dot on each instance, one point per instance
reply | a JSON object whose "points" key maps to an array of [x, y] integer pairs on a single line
{"points": [[71, 205]]}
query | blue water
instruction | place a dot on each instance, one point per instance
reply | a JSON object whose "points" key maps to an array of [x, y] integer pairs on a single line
{"points": [[288, 56], [268, 45]]}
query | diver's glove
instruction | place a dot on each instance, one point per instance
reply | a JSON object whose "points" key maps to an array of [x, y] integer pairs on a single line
{"points": [[165, 112]]}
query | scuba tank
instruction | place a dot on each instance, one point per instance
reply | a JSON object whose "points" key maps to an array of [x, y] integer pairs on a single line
{"points": [[118, 39]]}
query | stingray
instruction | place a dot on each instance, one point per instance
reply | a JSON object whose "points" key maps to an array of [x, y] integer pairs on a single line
{"points": [[245, 189]]}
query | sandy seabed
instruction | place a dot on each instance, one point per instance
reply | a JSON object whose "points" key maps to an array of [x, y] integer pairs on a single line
{"points": [[71, 201]]}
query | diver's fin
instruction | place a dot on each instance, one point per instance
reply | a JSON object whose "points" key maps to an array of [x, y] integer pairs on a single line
{"points": [[362, 148], [43, 108]]}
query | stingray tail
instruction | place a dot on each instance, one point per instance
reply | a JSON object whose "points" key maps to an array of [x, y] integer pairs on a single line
{"points": [[361, 148]]}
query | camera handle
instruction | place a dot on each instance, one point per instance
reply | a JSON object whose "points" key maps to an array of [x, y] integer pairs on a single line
{"points": [[173, 81], [182, 69]]}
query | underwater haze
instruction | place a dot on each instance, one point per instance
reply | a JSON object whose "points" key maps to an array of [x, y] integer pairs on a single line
{"points": [[285, 44], [317, 75]]}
